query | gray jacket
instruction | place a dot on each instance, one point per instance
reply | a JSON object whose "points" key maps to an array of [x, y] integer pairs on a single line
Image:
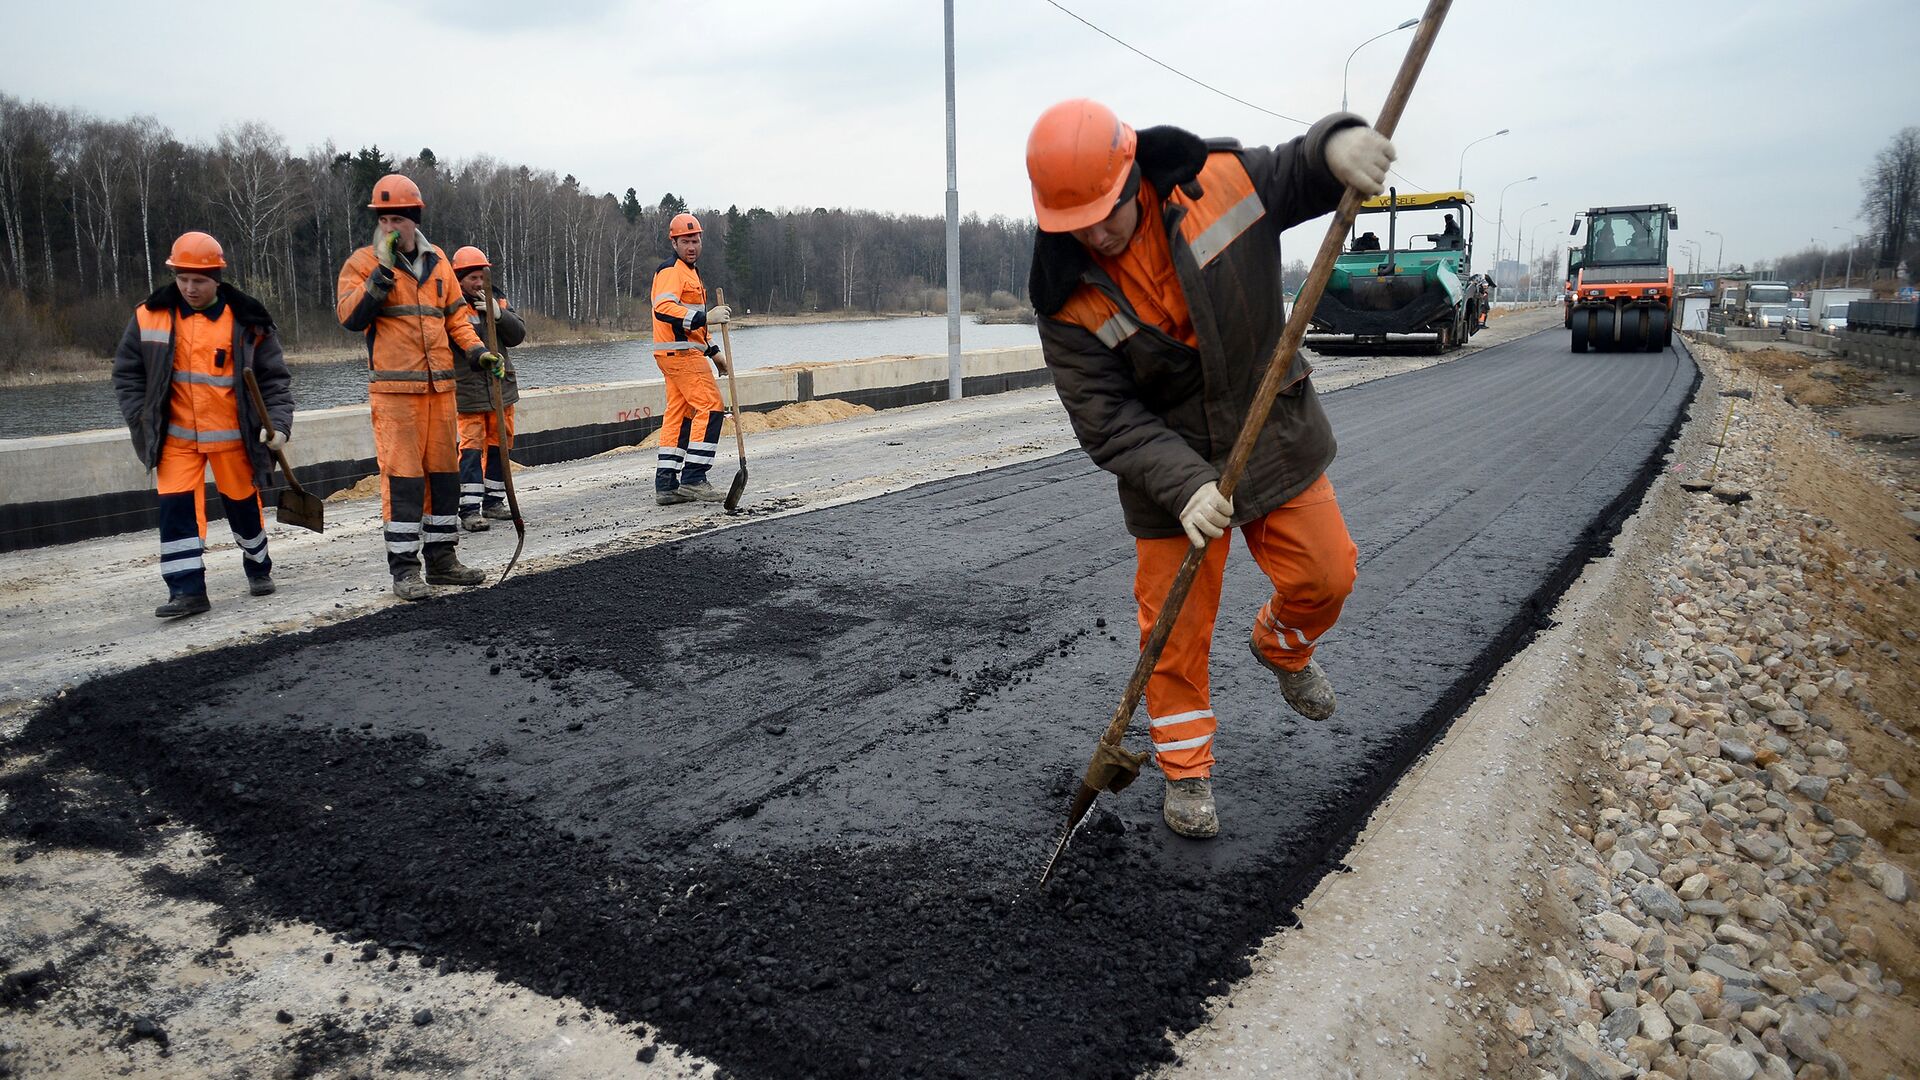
{"points": [[143, 377], [1159, 414]]}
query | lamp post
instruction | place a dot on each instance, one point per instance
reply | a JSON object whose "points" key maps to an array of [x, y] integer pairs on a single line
{"points": [[1852, 239], [1343, 74], [1520, 229], [1460, 178], [1822, 283], [1718, 253], [1500, 221]]}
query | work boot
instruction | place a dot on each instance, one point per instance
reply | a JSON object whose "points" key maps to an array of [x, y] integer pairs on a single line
{"points": [[182, 605], [409, 585], [1188, 808], [445, 568], [1308, 690], [260, 586], [499, 512], [473, 522], [671, 496], [702, 491]]}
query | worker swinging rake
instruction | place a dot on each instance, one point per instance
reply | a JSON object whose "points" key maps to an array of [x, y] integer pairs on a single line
{"points": [[1114, 766]]}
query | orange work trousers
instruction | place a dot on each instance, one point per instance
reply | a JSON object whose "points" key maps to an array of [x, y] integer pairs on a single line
{"points": [[416, 442], [1304, 549], [483, 478], [180, 481], [690, 428]]}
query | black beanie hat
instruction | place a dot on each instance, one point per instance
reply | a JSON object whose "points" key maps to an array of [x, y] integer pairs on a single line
{"points": [[412, 213]]}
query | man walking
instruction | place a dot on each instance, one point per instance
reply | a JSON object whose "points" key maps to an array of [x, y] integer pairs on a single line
{"points": [[177, 374], [1156, 274], [401, 293], [690, 428], [483, 491]]}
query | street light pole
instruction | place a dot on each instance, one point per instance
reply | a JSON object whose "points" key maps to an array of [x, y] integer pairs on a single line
{"points": [[1520, 228], [1460, 178], [1852, 239], [1823, 263], [1720, 253], [1500, 222], [1362, 45]]}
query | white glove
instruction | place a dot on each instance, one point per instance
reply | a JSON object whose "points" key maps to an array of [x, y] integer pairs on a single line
{"points": [[272, 439], [718, 315], [1358, 157], [1207, 515], [494, 302]]}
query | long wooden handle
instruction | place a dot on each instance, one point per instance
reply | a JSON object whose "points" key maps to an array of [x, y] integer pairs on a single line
{"points": [[1277, 367], [260, 406], [733, 388]]}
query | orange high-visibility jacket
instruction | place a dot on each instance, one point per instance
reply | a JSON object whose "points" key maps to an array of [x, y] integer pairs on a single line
{"points": [[679, 310], [408, 321]]}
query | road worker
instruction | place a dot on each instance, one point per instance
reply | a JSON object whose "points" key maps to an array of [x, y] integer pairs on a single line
{"points": [[483, 492], [177, 374], [690, 428], [1156, 275], [400, 291]]}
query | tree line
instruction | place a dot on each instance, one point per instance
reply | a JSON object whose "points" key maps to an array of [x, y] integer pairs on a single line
{"points": [[1890, 207], [89, 207]]}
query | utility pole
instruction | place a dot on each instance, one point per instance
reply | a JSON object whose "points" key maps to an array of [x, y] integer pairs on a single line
{"points": [[1500, 223], [1719, 253], [954, 380]]}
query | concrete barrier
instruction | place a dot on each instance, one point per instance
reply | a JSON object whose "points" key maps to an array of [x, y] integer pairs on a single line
{"points": [[1894, 352], [61, 488]]}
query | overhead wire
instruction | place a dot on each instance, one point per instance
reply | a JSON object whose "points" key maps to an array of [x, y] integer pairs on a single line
{"points": [[1082, 20]]}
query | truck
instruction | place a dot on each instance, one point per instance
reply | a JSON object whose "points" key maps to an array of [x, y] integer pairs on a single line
{"points": [[1826, 305], [1754, 295], [1412, 288], [1623, 287]]}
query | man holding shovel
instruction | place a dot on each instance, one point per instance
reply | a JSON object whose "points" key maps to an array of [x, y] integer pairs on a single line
{"points": [[690, 428], [177, 372], [483, 489], [400, 291], [1156, 275]]}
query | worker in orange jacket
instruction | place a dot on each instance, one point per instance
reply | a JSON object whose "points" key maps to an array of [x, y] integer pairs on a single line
{"points": [[177, 375], [690, 428], [483, 478], [401, 293], [1156, 276]]}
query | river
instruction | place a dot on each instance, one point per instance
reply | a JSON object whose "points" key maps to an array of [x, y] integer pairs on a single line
{"points": [[65, 407]]}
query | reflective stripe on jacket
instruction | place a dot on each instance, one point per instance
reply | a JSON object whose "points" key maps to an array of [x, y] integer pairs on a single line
{"points": [[679, 310], [474, 393], [1162, 413], [144, 375], [203, 412], [408, 321]]}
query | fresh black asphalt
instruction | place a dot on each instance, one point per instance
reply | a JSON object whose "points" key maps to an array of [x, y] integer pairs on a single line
{"points": [[781, 790]]}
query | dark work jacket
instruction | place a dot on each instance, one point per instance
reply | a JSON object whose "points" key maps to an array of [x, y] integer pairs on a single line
{"points": [[474, 395], [1155, 412], [143, 378]]}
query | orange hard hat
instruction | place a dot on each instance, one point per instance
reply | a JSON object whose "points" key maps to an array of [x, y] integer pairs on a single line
{"points": [[1079, 157], [683, 225], [469, 258], [196, 251], [396, 192]]}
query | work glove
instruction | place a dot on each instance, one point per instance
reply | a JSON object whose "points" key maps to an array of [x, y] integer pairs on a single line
{"points": [[384, 247], [1207, 515], [1358, 157], [718, 315], [273, 440], [713, 354], [493, 364], [481, 304]]}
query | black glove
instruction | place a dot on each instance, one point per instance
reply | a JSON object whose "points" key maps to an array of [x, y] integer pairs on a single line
{"points": [[713, 351]]}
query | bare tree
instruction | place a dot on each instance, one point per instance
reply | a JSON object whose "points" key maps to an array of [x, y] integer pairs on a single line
{"points": [[1891, 202], [149, 148], [256, 191]]}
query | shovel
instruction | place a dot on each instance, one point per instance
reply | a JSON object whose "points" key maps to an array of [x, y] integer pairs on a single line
{"points": [[295, 506], [500, 425], [1114, 766], [739, 485]]}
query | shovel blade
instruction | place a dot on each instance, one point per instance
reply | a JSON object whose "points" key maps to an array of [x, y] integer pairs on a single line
{"points": [[302, 510], [738, 489]]}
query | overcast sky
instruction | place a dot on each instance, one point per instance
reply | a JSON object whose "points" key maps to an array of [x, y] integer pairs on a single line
{"points": [[1755, 119]]}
